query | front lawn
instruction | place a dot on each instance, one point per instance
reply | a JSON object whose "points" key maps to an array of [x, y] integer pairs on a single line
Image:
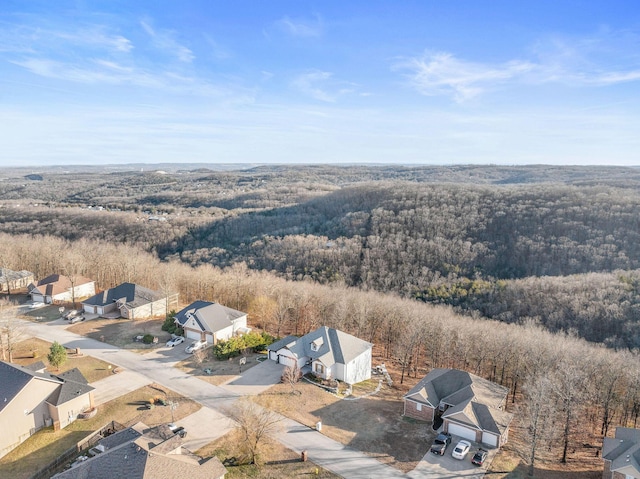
{"points": [[44, 446]]}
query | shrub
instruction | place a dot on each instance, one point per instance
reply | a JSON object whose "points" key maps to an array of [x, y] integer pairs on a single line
{"points": [[235, 345], [147, 338], [169, 324]]}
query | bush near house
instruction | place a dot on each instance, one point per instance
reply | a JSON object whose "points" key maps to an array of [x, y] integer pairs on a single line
{"points": [[234, 346], [170, 325]]}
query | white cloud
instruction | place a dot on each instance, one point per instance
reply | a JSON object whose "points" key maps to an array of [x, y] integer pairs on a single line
{"points": [[314, 84], [164, 40], [301, 28], [441, 73]]}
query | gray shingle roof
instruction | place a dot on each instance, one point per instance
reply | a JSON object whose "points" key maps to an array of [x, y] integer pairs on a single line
{"points": [[74, 385], [623, 451], [328, 345], [209, 316], [133, 294], [14, 378], [145, 457]]}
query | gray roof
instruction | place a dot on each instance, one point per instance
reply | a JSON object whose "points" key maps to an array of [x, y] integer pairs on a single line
{"points": [[14, 378], [623, 451], [132, 294], [327, 345], [281, 343], [7, 274], [74, 385], [145, 456], [472, 400], [209, 316]]}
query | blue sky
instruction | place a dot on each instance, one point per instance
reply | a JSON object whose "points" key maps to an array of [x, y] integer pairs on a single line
{"points": [[405, 82]]}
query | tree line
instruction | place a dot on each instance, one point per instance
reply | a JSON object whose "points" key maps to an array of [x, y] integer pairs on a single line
{"points": [[577, 385]]}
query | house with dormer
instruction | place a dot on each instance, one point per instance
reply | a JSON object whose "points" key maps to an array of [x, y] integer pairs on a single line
{"points": [[211, 322], [621, 454], [31, 398], [331, 354], [470, 407]]}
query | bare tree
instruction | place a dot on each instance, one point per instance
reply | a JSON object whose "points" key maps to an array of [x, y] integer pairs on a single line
{"points": [[11, 330], [539, 407], [291, 375], [254, 424]]}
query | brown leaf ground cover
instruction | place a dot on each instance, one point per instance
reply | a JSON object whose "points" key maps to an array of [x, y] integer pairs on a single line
{"points": [[218, 371], [122, 332]]}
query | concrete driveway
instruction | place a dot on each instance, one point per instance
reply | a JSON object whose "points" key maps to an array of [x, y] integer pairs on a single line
{"points": [[203, 427], [433, 466], [116, 385], [256, 380]]}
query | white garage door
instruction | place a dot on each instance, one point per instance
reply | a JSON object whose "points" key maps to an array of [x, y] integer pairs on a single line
{"points": [[490, 439], [465, 432], [286, 361], [273, 355], [37, 298], [195, 335]]}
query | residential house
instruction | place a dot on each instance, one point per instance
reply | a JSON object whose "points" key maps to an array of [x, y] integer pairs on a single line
{"points": [[11, 281], [331, 354], [130, 301], [470, 406], [140, 452], [203, 320], [621, 454], [57, 288], [31, 398]]}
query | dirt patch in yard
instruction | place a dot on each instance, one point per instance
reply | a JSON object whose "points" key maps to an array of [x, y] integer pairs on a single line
{"points": [[217, 371], [33, 350], [372, 424], [122, 332]]}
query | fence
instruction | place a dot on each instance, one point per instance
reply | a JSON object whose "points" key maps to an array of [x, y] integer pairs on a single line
{"points": [[88, 442]]}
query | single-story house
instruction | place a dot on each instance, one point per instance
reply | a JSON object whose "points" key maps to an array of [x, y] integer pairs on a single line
{"points": [[31, 398], [331, 354], [58, 288], [470, 406], [203, 320], [130, 301], [140, 452], [621, 454], [11, 281]]}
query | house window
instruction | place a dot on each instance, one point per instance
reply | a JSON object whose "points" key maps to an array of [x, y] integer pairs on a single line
{"points": [[419, 407], [319, 368]]}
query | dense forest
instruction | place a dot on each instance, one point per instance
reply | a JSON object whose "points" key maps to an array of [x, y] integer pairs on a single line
{"points": [[568, 392], [557, 246]]}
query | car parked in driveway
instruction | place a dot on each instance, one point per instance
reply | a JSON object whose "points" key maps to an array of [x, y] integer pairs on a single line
{"points": [[195, 346], [175, 341], [479, 457], [461, 450], [440, 443]]}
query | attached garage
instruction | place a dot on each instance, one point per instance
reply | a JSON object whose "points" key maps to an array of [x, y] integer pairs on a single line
{"points": [[462, 431], [286, 361], [489, 439], [191, 334]]}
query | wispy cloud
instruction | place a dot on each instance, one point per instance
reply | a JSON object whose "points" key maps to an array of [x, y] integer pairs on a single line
{"points": [[588, 61], [301, 28], [322, 86], [164, 40], [443, 74]]}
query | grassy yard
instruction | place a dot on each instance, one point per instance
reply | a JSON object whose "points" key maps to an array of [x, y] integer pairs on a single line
{"points": [[33, 350], [44, 314], [276, 461], [221, 371], [121, 332], [372, 424], [44, 446]]}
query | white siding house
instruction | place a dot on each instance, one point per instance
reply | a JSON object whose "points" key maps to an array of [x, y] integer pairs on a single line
{"points": [[330, 353], [211, 322], [57, 288]]}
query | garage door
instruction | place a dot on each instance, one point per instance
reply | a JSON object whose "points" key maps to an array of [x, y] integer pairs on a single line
{"points": [[37, 298], [273, 355], [286, 361], [489, 439], [465, 432], [195, 335]]}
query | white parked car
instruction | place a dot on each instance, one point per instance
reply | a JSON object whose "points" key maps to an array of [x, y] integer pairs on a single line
{"points": [[461, 450], [196, 345], [36, 305], [175, 341]]}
